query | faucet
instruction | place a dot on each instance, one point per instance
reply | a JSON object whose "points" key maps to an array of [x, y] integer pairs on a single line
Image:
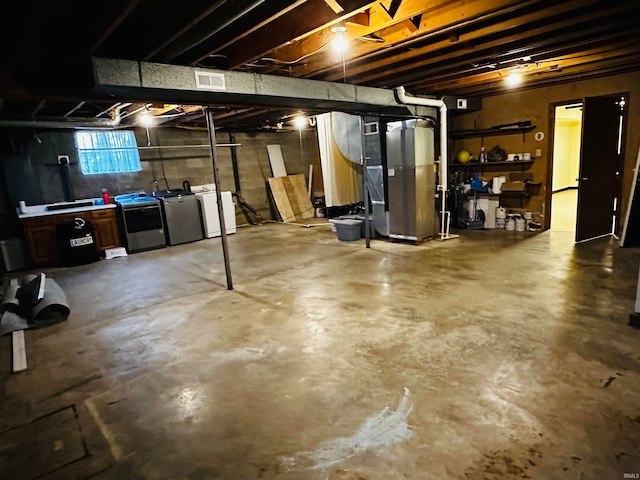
{"points": [[155, 183]]}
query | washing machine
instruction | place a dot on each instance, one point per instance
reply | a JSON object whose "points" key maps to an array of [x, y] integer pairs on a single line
{"points": [[181, 215]]}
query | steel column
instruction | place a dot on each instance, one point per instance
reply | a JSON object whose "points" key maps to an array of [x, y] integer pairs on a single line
{"points": [[216, 179]]}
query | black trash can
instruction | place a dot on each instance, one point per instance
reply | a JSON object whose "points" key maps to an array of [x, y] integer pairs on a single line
{"points": [[76, 243]]}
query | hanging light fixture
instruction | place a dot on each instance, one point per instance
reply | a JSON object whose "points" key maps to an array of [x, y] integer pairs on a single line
{"points": [[339, 42]]}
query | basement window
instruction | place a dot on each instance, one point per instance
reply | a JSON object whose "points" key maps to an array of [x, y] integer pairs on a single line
{"points": [[107, 151]]}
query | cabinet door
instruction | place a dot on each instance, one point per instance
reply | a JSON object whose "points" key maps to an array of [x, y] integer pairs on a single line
{"points": [[105, 229], [40, 235]]}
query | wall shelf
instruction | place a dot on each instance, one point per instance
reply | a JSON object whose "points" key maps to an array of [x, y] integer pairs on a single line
{"points": [[522, 164], [490, 132]]}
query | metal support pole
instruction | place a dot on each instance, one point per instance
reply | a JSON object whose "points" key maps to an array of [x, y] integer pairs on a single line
{"points": [[234, 161], [216, 180], [365, 191]]}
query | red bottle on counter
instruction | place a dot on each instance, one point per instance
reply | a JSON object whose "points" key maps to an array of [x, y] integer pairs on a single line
{"points": [[105, 196]]}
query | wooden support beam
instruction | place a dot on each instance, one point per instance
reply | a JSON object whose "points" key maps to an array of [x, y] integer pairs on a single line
{"points": [[596, 61], [362, 19], [435, 17], [413, 24], [311, 17], [446, 64], [393, 8], [368, 63], [335, 6], [358, 26]]}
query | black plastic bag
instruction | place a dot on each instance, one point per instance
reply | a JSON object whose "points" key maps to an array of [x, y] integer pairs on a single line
{"points": [[497, 154]]}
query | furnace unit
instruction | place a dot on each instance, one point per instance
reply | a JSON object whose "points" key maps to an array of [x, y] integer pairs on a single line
{"points": [[411, 179]]}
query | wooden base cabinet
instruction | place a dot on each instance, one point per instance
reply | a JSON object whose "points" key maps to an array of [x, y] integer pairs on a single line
{"points": [[40, 234], [105, 226]]}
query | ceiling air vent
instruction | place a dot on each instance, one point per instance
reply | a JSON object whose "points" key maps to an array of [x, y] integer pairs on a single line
{"points": [[210, 81]]}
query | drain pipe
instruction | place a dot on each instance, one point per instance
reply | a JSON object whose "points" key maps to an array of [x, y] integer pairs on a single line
{"points": [[71, 123], [442, 187]]}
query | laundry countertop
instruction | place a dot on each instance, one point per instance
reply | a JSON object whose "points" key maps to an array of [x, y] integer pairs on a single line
{"points": [[59, 208]]}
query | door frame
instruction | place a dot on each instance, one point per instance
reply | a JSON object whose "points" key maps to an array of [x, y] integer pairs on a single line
{"points": [[621, 158], [550, 143], [620, 217]]}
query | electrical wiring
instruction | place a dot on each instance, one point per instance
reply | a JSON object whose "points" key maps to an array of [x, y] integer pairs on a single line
{"points": [[293, 62]]}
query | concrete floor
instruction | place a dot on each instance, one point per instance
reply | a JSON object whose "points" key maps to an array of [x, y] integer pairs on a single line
{"points": [[496, 355], [564, 206]]}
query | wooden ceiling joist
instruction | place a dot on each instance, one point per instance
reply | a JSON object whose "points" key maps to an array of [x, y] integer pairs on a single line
{"points": [[299, 23], [335, 6], [435, 19], [442, 51]]}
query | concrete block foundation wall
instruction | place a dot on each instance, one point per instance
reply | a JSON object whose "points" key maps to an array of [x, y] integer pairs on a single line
{"points": [[31, 173]]}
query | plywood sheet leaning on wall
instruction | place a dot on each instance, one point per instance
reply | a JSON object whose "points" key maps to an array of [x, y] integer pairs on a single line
{"points": [[291, 197]]}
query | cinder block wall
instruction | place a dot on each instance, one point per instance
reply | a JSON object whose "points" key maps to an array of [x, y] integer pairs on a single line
{"points": [[29, 161]]}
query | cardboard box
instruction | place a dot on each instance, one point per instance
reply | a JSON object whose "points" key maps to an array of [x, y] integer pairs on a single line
{"points": [[517, 186], [520, 177], [521, 182]]}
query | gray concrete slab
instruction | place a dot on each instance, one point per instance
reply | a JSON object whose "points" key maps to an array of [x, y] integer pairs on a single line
{"points": [[496, 355]]}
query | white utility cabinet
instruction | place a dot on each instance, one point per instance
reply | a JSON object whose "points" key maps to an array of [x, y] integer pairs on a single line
{"points": [[206, 195]]}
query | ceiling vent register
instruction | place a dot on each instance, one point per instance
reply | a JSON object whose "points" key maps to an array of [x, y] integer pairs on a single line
{"points": [[210, 81]]}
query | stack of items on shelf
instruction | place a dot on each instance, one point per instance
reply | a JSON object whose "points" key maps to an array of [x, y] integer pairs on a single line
{"points": [[483, 213]]}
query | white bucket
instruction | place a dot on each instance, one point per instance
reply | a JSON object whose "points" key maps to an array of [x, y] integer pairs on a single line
{"points": [[528, 215], [520, 223], [511, 224]]}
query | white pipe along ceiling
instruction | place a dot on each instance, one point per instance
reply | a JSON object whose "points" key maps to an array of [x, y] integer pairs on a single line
{"points": [[70, 122]]}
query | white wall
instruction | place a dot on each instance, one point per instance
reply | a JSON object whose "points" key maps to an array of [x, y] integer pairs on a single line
{"points": [[566, 153]]}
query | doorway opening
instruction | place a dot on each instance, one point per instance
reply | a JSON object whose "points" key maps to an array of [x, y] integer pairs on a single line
{"points": [[566, 166], [586, 160]]}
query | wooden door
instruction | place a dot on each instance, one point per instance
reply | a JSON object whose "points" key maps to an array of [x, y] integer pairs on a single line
{"points": [[599, 163]]}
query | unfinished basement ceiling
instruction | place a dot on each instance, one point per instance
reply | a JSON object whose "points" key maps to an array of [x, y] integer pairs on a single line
{"points": [[430, 47]]}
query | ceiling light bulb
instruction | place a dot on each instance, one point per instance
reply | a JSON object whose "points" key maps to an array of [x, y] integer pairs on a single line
{"points": [[146, 119], [339, 42], [513, 79], [300, 122]]}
